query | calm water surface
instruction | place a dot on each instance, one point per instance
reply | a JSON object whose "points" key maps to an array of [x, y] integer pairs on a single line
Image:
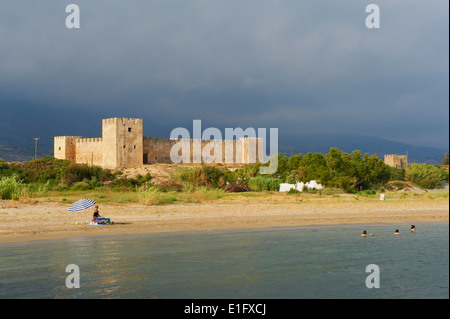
{"points": [[300, 262]]}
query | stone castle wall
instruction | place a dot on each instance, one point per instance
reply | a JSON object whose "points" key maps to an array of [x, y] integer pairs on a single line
{"points": [[89, 151], [122, 145], [246, 150], [157, 150]]}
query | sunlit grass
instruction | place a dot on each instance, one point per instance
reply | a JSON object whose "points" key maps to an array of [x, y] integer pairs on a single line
{"points": [[205, 195]]}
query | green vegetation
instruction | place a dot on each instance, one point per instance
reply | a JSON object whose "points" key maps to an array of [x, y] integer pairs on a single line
{"points": [[211, 176], [426, 175], [262, 183], [56, 172], [14, 188], [11, 188], [151, 195], [337, 171], [349, 172], [355, 172], [204, 176]]}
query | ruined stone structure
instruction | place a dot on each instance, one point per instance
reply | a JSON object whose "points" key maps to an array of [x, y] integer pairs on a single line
{"points": [[123, 145], [397, 161]]}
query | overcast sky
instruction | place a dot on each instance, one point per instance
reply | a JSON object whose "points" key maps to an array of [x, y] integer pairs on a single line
{"points": [[299, 65]]}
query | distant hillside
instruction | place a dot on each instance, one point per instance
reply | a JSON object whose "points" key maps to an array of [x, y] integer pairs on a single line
{"points": [[22, 148], [17, 132]]}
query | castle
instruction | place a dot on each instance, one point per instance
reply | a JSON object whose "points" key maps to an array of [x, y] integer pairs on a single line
{"points": [[123, 145], [396, 161]]}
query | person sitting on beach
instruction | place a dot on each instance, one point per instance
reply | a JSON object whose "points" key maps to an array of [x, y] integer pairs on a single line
{"points": [[397, 232], [96, 218], [413, 229]]}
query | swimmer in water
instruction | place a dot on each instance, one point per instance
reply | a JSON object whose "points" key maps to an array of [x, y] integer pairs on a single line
{"points": [[397, 232], [413, 229], [365, 234]]}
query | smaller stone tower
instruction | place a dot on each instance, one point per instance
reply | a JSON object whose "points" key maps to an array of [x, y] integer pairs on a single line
{"points": [[396, 161], [66, 147]]}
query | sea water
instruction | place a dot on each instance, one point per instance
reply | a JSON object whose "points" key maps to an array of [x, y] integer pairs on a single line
{"points": [[297, 262]]}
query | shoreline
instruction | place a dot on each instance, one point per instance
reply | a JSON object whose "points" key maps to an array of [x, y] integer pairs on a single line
{"points": [[49, 221], [216, 230]]}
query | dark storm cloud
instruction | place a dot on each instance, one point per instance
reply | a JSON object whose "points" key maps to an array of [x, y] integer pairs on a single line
{"points": [[301, 66]]}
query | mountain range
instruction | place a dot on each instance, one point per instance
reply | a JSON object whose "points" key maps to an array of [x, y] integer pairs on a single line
{"points": [[17, 133]]}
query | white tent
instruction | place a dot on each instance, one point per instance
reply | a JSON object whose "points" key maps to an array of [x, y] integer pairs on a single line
{"points": [[285, 187], [313, 185]]}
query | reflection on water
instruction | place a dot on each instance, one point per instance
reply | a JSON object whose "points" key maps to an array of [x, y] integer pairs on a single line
{"points": [[303, 262]]}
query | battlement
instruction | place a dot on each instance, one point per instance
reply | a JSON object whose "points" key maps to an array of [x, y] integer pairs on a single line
{"points": [[395, 156], [122, 120], [67, 137], [89, 140]]}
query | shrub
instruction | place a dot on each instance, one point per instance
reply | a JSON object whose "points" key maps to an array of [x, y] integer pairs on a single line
{"points": [[293, 191], [214, 176], [426, 175], [143, 179], [10, 188], [81, 186], [204, 176], [8, 170], [369, 192], [15, 189], [191, 175], [151, 195], [291, 178], [123, 184], [170, 187], [398, 185], [262, 183], [243, 175], [396, 174], [234, 187], [346, 184], [59, 171]]}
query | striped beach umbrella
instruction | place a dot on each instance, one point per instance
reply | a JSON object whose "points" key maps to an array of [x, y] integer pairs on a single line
{"points": [[81, 204]]}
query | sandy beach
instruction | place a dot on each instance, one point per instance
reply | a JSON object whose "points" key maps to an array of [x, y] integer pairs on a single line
{"points": [[50, 220]]}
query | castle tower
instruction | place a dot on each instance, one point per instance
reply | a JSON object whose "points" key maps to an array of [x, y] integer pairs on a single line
{"points": [[396, 161], [122, 142], [65, 147]]}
